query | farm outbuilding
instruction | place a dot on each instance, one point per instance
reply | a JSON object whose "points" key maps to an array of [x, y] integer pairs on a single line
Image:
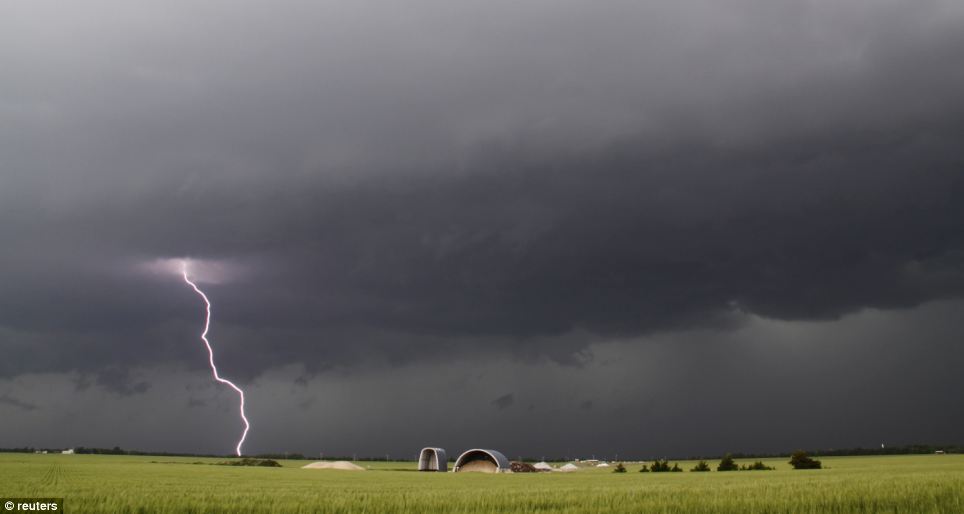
{"points": [[432, 459], [484, 461]]}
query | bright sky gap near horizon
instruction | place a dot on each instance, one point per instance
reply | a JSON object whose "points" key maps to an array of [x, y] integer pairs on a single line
{"points": [[547, 227]]}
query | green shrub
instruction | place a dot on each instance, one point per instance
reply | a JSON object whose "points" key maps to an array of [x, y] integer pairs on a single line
{"points": [[727, 464], [676, 468], [644, 469], [659, 466], [620, 468], [247, 461], [701, 466], [800, 460], [756, 466]]}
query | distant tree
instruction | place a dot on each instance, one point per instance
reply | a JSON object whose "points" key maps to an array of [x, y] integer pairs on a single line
{"points": [[248, 461], [676, 468], [620, 468], [644, 469], [727, 464], [800, 460], [756, 466], [701, 466], [660, 466]]}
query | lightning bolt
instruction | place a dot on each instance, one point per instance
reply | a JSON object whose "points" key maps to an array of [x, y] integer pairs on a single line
{"points": [[214, 369]]}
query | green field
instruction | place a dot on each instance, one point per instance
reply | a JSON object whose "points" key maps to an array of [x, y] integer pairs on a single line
{"points": [[135, 484]]}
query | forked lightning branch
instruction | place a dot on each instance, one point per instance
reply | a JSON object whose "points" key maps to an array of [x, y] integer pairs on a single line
{"points": [[207, 344]]}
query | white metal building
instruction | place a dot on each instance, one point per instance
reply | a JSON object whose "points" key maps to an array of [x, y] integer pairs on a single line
{"points": [[484, 461], [432, 459]]}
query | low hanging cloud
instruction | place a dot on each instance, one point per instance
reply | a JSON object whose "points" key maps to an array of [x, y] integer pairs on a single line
{"points": [[504, 402], [10, 401]]}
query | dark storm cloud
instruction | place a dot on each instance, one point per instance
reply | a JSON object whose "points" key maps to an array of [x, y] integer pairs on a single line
{"points": [[503, 402], [14, 402], [435, 180], [672, 394], [119, 380]]}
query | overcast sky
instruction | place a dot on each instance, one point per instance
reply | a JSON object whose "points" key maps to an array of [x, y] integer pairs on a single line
{"points": [[546, 227]]}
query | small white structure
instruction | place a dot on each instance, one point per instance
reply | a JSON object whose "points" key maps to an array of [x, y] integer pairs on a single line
{"points": [[602, 465], [69, 451], [433, 459], [542, 466], [483, 461], [569, 467]]}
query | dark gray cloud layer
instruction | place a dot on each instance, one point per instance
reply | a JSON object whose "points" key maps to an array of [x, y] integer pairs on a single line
{"points": [[419, 184]]}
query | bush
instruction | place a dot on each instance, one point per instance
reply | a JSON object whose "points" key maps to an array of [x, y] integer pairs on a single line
{"points": [[644, 469], [620, 468], [701, 466], [727, 464], [247, 461], [800, 460], [659, 466], [676, 468], [756, 466], [662, 466]]}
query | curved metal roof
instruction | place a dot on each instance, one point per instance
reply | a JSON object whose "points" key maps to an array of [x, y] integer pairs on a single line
{"points": [[502, 463], [432, 459]]}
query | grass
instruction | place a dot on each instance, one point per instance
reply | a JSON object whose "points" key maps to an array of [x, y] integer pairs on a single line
{"points": [[135, 484]]}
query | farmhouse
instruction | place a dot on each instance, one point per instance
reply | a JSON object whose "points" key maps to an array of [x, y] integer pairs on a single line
{"points": [[484, 461], [432, 459]]}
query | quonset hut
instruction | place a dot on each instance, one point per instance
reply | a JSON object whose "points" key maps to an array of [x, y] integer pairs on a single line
{"points": [[483, 461], [432, 459]]}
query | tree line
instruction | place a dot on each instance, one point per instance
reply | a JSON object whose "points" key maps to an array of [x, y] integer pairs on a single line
{"points": [[798, 459]]}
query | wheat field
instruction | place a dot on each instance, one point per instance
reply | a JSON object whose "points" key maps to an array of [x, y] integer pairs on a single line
{"points": [[144, 484]]}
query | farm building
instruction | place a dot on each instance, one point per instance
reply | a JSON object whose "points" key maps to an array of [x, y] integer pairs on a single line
{"points": [[68, 451], [432, 459], [484, 461]]}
